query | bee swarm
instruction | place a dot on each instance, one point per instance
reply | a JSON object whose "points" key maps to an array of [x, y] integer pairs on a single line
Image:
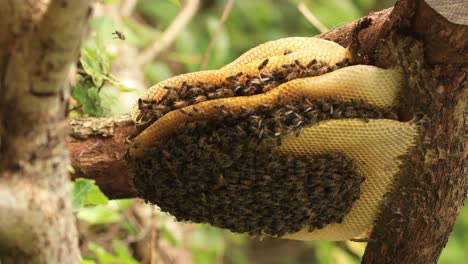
{"points": [[240, 84], [227, 171]]}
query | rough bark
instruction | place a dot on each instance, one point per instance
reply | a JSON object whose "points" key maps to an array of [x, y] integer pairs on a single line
{"points": [[97, 147], [40, 41], [417, 219]]}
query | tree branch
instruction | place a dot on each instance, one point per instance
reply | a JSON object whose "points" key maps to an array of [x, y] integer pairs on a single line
{"points": [[150, 53], [214, 37], [97, 147]]}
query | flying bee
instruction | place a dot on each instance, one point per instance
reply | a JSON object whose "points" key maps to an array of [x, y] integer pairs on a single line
{"points": [[264, 63], [118, 35]]}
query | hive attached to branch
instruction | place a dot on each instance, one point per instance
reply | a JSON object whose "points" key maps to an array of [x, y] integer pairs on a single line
{"points": [[289, 140]]}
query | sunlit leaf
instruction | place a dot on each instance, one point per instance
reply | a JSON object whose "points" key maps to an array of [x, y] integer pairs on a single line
{"points": [[95, 196], [81, 188], [123, 204], [87, 261], [99, 214], [102, 255], [85, 192], [87, 95], [123, 253], [94, 65], [70, 169]]}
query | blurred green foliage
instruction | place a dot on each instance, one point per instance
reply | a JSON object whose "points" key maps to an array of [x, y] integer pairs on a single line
{"points": [[85, 192], [97, 92]]}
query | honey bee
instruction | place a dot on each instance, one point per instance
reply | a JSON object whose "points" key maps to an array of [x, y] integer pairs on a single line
{"points": [[264, 63], [118, 35], [198, 99], [312, 62], [180, 104]]}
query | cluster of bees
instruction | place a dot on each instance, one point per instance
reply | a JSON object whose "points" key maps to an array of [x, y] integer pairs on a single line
{"points": [[227, 171], [240, 84]]}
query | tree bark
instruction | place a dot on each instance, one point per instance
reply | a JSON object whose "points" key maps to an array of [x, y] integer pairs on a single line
{"points": [[40, 41], [97, 147], [418, 216]]}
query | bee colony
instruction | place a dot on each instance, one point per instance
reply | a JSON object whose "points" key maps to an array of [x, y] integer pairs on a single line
{"points": [[208, 147]]}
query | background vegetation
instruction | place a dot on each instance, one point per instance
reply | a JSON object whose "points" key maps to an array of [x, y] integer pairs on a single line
{"points": [[113, 71]]}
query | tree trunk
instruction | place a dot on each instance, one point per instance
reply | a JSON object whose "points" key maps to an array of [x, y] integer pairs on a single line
{"points": [[416, 222], [40, 41]]}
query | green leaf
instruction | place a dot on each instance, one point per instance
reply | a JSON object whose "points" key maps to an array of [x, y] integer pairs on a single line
{"points": [[94, 65], [102, 255], [70, 169], [87, 95], [105, 214], [87, 261], [123, 204], [81, 188], [123, 253], [95, 196], [99, 214], [85, 192]]}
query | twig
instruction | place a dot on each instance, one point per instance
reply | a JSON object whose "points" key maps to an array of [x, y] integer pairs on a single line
{"points": [[127, 7], [224, 16], [311, 18], [362, 240], [153, 236], [187, 12]]}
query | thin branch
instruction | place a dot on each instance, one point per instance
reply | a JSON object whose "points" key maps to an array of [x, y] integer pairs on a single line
{"points": [[127, 7], [311, 18], [224, 16], [154, 243], [160, 44]]}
